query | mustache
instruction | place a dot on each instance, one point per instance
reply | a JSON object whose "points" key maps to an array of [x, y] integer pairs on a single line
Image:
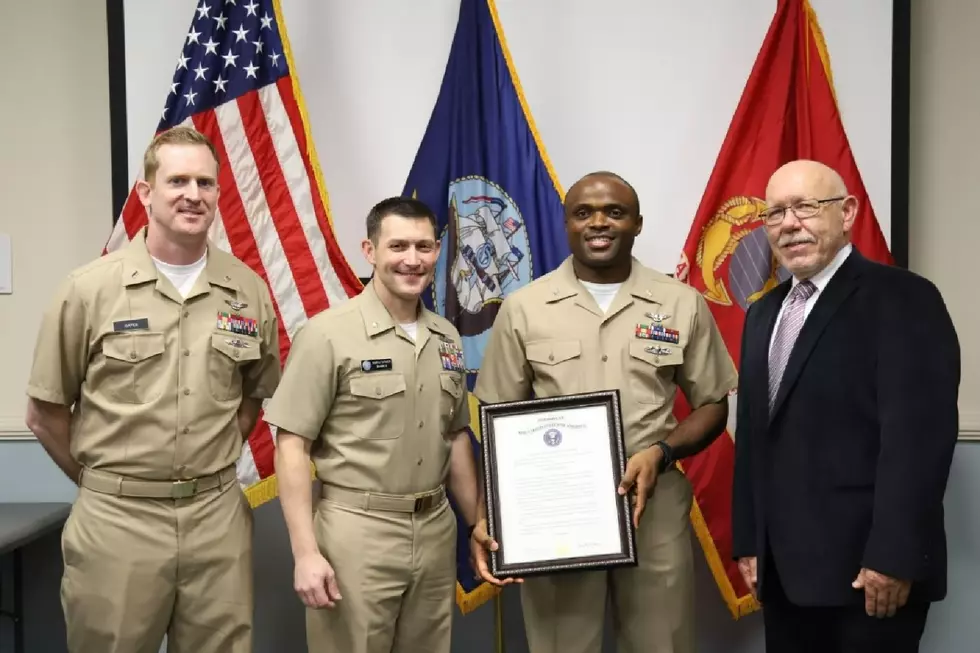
{"points": [[795, 239]]}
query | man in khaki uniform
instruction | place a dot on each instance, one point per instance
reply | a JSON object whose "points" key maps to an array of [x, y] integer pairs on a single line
{"points": [[149, 370], [600, 321], [375, 390]]}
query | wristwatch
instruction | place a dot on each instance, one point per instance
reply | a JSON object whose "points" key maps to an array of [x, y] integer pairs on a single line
{"points": [[668, 460]]}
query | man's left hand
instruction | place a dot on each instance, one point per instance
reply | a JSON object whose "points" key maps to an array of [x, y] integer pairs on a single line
{"points": [[883, 595], [641, 470]]}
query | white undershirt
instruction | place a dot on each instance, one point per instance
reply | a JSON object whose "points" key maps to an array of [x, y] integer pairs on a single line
{"points": [[412, 329], [602, 293], [183, 277]]}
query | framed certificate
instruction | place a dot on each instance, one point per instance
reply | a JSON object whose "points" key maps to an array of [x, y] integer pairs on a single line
{"points": [[552, 467]]}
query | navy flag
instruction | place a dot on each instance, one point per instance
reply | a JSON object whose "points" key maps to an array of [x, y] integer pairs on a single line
{"points": [[483, 170]]}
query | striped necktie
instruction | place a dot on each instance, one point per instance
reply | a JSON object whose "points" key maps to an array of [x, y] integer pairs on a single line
{"points": [[789, 329]]}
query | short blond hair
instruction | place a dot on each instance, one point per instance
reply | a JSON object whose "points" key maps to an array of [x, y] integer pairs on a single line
{"points": [[179, 135]]}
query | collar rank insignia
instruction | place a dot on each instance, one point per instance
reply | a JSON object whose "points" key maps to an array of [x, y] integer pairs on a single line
{"points": [[236, 306], [658, 332], [658, 350], [451, 356], [238, 324]]}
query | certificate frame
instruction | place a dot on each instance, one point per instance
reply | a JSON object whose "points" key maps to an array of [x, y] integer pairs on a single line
{"points": [[490, 414]]}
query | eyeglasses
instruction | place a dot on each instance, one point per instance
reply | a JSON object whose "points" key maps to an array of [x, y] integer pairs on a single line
{"points": [[802, 210]]}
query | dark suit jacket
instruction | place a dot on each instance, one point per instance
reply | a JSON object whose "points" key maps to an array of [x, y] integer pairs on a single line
{"points": [[850, 468]]}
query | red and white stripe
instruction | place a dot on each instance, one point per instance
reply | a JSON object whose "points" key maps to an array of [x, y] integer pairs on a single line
{"points": [[271, 215]]}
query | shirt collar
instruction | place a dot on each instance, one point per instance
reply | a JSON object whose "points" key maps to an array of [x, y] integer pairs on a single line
{"points": [[822, 278]]}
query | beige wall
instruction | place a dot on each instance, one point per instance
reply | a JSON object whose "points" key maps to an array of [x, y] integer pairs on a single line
{"points": [[944, 222], [54, 169]]}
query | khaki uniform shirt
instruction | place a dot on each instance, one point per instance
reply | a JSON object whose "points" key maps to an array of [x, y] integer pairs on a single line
{"points": [[156, 380], [551, 338], [379, 407]]}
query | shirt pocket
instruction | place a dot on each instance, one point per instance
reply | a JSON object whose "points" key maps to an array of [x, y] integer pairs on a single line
{"points": [[382, 405], [452, 389], [134, 371], [651, 368], [556, 365], [225, 364]]}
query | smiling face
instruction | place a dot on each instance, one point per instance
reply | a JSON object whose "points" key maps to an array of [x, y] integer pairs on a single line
{"points": [[602, 220], [403, 254], [182, 195], [806, 245]]}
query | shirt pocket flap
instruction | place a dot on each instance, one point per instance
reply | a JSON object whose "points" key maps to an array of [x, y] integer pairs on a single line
{"points": [[237, 349], [133, 347], [552, 352], [658, 354], [451, 385], [377, 385]]}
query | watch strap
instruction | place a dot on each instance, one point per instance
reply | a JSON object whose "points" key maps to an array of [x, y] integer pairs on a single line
{"points": [[668, 458]]}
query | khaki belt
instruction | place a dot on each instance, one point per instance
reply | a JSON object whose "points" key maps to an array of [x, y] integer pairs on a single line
{"points": [[384, 502], [124, 486]]}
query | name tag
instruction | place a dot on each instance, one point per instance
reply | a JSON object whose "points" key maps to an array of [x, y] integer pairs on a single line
{"points": [[131, 325], [376, 364]]}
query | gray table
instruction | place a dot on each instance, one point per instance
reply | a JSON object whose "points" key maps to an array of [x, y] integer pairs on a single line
{"points": [[20, 524]]}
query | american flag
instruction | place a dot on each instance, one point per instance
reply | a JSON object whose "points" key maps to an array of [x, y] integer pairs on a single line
{"points": [[235, 82]]}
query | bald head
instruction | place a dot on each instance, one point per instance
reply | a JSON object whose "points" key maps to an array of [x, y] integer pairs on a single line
{"points": [[809, 216], [820, 179], [607, 176]]}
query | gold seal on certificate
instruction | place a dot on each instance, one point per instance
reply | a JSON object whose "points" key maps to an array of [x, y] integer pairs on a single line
{"points": [[552, 468]]}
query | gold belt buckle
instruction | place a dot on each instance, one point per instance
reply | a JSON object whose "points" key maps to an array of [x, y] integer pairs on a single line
{"points": [[183, 489]]}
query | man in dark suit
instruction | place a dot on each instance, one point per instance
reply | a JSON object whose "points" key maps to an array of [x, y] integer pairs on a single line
{"points": [[846, 424]]}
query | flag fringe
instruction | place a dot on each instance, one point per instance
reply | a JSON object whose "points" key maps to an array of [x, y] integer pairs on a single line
{"points": [[821, 45], [520, 98], [739, 607], [470, 601], [262, 492]]}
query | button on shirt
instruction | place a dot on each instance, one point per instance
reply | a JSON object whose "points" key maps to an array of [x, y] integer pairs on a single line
{"points": [[156, 380], [379, 406], [551, 338]]}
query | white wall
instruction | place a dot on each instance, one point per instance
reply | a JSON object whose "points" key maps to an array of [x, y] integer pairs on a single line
{"points": [[644, 88]]}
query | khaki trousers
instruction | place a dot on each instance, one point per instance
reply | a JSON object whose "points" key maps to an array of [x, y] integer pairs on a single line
{"points": [[652, 603], [138, 568], [397, 575]]}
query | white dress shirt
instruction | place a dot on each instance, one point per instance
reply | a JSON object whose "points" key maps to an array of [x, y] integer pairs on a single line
{"points": [[820, 281]]}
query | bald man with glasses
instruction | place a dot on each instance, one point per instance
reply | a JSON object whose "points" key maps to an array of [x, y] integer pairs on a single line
{"points": [[847, 420]]}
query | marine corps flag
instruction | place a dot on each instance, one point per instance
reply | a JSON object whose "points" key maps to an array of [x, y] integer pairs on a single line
{"points": [[482, 169], [787, 111]]}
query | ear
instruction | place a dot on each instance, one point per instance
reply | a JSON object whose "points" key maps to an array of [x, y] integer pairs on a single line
{"points": [[143, 189], [850, 207], [367, 248], [639, 224]]}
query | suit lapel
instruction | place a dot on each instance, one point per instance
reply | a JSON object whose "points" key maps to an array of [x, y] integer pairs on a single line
{"points": [[840, 287]]}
